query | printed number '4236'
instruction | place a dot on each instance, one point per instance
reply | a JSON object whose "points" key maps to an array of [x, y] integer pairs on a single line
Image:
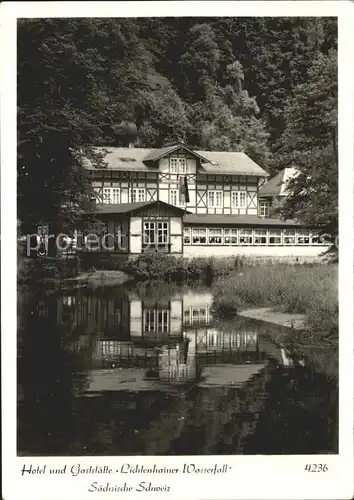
{"points": [[316, 467]]}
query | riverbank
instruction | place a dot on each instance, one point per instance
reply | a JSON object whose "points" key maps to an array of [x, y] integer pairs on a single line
{"points": [[308, 292], [57, 270], [290, 320], [103, 278]]}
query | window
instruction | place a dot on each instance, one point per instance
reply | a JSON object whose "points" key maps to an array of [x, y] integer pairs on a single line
{"points": [[242, 198], [289, 237], [230, 236], [187, 316], [174, 197], [149, 233], [177, 165], [69, 301], [156, 235], [107, 195], [138, 194], [264, 208], [303, 236], [111, 195], [215, 199], [118, 233], [199, 236], [187, 235], [260, 236], [173, 165], [116, 195], [215, 236], [246, 236], [275, 236], [162, 233], [199, 314], [156, 320], [196, 315], [234, 199], [317, 239], [238, 199]]}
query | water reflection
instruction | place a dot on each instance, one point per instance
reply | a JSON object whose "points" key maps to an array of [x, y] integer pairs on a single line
{"points": [[129, 371]]}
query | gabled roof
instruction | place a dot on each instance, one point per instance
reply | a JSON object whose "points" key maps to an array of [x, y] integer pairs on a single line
{"points": [[124, 159], [120, 208], [156, 154], [231, 162], [160, 153], [125, 208], [242, 220], [277, 185], [213, 162]]}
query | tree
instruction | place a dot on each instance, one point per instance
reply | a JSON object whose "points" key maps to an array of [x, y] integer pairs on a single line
{"points": [[227, 120], [276, 54], [75, 80], [160, 113], [199, 63], [309, 143]]}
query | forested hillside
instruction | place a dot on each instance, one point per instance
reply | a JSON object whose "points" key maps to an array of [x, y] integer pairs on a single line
{"points": [[265, 86]]}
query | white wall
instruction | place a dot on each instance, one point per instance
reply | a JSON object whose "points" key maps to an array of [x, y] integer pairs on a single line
{"points": [[136, 318], [176, 244], [194, 299], [192, 164], [176, 316], [135, 236], [253, 251], [163, 195], [164, 165], [176, 234], [176, 225]]}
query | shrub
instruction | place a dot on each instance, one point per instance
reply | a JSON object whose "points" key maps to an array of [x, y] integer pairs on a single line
{"points": [[161, 266], [150, 266], [46, 268]]}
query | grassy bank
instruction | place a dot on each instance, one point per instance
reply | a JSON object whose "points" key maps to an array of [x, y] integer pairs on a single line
{"points": [[302, 289]]}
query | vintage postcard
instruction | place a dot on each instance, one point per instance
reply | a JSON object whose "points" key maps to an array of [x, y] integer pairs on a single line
{"points": [[177, 250]]}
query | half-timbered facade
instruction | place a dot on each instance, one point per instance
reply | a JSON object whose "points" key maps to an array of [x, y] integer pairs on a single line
{"points": [[134, 227], [217, 182], [274, 191], [191, 203]]}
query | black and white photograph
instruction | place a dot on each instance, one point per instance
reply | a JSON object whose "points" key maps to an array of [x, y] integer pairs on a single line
{"points": [[177, 241]]}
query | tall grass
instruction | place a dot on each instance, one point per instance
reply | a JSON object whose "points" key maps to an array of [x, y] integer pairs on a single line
{"points": [[307, 289]]}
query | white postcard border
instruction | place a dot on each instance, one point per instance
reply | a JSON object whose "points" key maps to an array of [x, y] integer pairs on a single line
{"points": [[251, 477]]}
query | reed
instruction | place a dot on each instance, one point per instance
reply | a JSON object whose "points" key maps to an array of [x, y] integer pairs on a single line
{"points": [[306, 289]]}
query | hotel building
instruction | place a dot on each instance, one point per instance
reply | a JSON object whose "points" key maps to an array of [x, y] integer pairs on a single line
{"points": [[193, 203]]}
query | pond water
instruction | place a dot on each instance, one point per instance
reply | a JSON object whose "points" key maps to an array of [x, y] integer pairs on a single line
{"points": [[150, 371]]}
